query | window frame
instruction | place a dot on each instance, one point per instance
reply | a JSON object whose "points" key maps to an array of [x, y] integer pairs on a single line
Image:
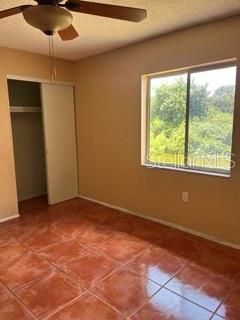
{"points": [[145, 117]]}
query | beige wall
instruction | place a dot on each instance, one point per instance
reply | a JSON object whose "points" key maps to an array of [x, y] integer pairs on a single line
{"points": [[19, 63], [108, 96]]}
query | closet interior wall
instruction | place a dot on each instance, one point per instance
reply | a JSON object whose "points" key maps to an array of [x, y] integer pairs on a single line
{"points": [[28, 142]]}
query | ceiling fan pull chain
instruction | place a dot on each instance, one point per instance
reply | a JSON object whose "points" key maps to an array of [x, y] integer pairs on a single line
{"points": [[54, 59], [53, 70], [50, 57]]}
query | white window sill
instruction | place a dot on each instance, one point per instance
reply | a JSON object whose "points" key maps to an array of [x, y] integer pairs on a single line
{"points": [[207, 173]]}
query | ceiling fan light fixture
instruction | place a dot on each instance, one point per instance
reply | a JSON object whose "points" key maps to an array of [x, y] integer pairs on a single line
{"points": [[48, 18]]}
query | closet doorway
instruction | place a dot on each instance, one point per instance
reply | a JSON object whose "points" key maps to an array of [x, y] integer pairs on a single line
{"points": [[44, 140], [27, 132]]}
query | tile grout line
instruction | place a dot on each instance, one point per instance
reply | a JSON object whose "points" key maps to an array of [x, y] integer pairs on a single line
{"points": [[29, 283], [87, 290], [190, 262], [224, 277], [210, 271], [42, 276], [60, 308], [145, 302], [226, 298], [166, 288], [78, 282], [108, 304], [189, 300], [70, 261], [90, 290], [213, 315], [122, 267], [161, 287], [19, 301]]}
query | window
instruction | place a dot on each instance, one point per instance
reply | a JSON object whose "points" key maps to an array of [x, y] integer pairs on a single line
{"points": [[188, 121]]}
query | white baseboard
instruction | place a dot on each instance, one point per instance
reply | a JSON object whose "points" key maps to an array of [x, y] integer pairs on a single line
{"points": [[9, 218], [167, 223]]}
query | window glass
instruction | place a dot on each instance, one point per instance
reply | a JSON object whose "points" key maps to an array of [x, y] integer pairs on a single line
{"points": [[167, 115], [211, 118], [190, 119]]}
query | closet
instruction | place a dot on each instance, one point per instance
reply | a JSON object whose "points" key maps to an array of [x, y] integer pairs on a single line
{"points": [[44, 139], [27, 132]]}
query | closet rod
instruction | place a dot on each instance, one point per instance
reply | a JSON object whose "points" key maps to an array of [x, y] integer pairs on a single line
{"points": [[24, 109]]}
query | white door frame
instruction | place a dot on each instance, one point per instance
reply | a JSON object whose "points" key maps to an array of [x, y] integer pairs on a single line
{"points": [[40, 81]]}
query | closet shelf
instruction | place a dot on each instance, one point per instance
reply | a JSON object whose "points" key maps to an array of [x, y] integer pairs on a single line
{"points": [[24, 109]]}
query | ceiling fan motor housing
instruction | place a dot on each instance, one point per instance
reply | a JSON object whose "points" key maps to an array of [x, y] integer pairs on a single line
{"points": [[50, 2], [48, 18]]}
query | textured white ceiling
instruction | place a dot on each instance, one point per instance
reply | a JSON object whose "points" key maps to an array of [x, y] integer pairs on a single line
{"points": [[99, 34]]}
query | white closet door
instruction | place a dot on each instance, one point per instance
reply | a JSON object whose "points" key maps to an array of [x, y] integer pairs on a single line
{"points": [[60, 142]]}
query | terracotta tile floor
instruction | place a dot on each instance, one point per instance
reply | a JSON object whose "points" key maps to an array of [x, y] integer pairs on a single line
{"points": [[79, 260]]}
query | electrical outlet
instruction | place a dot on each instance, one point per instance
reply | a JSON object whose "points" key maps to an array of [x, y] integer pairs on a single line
{"points": [[185, 196]]}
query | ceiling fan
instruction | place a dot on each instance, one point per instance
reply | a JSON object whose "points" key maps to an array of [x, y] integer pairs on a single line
{"points": [[51, 16]]}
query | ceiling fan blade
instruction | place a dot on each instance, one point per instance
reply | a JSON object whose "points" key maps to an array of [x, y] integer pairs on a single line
{"points": [[107, 10], [12, 11], [68, 34]]}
